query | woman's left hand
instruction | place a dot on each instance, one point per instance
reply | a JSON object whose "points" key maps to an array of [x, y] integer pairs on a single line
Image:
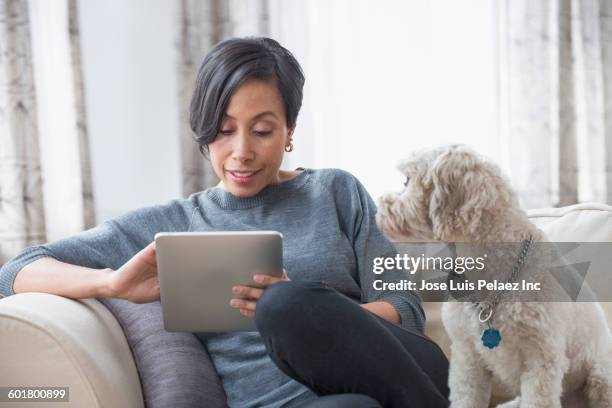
{"points": [[250, 295]]}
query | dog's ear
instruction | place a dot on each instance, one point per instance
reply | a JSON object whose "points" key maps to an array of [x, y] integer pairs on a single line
{"points": [[464, 187]]}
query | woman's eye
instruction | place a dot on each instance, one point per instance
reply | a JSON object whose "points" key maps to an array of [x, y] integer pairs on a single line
{"points": [[226, 131], [262, 133], [407, 181]]}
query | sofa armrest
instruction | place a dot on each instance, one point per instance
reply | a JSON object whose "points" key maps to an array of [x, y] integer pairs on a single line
{"points": [[48, 340]]}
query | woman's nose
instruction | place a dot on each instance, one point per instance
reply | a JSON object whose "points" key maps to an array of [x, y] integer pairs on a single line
{"points": [[242, 149]]}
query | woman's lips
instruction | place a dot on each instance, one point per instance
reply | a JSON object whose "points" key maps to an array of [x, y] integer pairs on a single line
{"points": [[242, 176]]}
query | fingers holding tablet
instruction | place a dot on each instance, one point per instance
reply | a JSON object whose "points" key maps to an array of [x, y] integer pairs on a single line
{"points": [[137, 280], [248, 299], [267, 280], [249, 295]]}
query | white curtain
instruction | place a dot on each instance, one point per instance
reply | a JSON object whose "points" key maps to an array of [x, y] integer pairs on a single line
{"points": [[43, 135], [62, 123], [80, 121], [556, 99], [22, 220]]}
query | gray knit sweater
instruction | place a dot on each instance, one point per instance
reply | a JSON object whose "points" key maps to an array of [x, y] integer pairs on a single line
{"points": [[329, 234]]}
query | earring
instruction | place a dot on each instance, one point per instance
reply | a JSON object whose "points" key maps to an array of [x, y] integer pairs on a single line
{"points": [[290, 147]]}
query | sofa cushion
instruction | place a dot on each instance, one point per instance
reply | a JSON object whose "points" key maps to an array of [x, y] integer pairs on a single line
{"points": [[589, 222], [575, 223], [174, 367]]}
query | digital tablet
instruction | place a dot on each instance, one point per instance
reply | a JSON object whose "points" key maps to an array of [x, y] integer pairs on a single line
{"points": [[197, 271]]}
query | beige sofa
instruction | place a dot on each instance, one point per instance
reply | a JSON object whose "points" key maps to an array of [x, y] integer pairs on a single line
{"points": [[53, 341]]}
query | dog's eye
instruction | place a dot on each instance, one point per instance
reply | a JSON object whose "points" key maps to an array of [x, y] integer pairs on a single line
{"points": [[407, 181]]}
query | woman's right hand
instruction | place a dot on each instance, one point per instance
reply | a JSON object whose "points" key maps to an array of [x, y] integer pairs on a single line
{"points": [[137, 279]]}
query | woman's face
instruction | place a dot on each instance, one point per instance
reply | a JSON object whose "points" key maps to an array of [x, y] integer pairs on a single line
{"points": [[247, 153]]}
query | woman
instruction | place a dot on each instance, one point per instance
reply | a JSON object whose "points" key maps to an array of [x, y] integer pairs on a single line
{"points": [[325, 336]]}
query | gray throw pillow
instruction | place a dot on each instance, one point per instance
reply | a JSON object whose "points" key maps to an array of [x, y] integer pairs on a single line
{"points": [[175, 369]]}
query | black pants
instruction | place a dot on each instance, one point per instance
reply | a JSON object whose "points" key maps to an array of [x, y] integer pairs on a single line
{"points": [[329, 343]]}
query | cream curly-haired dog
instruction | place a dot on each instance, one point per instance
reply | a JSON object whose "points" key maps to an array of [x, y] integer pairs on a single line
{"points": [[548, 349]]}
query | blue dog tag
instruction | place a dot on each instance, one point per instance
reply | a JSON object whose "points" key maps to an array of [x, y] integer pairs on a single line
{"points": [[491, 338]]}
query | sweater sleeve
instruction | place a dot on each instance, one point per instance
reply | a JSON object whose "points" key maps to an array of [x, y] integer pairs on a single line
{"points": [[109, 245], [369, 243]]}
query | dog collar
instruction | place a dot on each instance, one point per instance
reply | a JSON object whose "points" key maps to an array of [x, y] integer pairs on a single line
{"points": [[491, 337]]}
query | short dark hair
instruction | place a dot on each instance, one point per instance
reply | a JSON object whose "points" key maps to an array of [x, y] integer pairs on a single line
{"points": [[227, 66]]}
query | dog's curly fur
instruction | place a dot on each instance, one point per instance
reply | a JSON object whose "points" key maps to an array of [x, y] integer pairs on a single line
{"points": [[455, 195]]}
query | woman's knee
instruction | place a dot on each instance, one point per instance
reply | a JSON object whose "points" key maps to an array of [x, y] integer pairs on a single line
{"points": [[283, 302]]}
